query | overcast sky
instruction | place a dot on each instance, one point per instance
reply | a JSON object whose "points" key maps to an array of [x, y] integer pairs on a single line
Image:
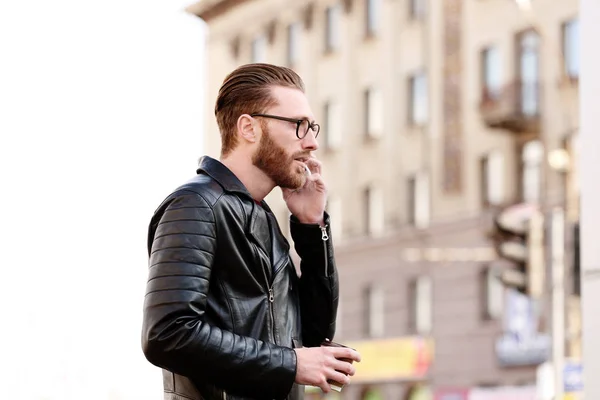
{"points": [[101, 106]]}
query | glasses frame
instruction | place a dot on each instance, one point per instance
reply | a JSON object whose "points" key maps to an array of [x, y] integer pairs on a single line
{"points": [[311, 125]]}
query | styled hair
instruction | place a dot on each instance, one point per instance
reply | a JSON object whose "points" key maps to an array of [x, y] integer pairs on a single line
{"points": [[247, 90]]}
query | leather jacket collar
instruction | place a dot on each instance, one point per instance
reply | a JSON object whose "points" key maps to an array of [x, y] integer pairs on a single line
{"points": [[223, 175], [227, 179]]}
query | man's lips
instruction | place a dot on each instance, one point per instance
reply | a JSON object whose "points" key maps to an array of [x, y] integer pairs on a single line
{"points": [[302, 159]]}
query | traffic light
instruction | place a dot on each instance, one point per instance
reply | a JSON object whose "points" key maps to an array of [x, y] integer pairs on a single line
{"points": [[520, 238]]}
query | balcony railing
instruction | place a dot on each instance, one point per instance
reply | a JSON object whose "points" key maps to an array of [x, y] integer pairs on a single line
{"points": [[516, 107]]}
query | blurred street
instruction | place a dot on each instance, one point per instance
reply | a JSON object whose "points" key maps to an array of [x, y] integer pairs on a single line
{"points": [[450, 143]]}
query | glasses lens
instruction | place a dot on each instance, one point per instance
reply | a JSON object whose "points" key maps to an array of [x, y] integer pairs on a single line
{"points": [[303, 128], [316, 128]]}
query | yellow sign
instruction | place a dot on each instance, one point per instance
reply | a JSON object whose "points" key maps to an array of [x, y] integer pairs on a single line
{"points": [[572, 396], [405, 358]]}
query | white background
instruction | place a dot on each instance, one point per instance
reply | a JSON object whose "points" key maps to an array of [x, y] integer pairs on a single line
{"points": [[101, 106]]}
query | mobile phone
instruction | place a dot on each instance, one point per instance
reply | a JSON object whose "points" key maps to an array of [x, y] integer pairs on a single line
{"points": [[308, 173]]}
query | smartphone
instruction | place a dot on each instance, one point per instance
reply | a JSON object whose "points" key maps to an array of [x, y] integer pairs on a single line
{"points": [[308, 173]]}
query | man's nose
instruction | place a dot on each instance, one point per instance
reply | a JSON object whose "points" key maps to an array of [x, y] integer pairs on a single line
{"points": [[309, 142]]}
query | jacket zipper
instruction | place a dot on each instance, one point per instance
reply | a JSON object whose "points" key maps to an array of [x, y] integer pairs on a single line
{"points": [[325, 238], [271, 301], [271, 298], [276, 269]]}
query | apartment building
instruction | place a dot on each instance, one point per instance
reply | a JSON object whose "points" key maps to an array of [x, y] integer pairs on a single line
{"points": [[434, 115]]}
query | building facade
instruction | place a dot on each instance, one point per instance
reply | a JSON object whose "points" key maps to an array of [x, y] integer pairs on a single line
{"points": [[434, 116]]}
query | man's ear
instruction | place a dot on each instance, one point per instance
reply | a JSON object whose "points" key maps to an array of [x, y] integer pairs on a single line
{"points": [[246, 128]]}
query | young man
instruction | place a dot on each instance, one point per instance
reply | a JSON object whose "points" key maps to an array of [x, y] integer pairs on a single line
{"points": [[225, 314]]}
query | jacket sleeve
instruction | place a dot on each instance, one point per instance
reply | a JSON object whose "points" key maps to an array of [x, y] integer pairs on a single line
{"points": [[319, 290], [175, 336]]}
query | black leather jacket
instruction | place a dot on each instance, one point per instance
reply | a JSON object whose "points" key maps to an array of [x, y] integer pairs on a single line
{"points": [[224, 307]]}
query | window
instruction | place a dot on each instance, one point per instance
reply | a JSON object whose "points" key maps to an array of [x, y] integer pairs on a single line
{"points": [[492, 179], [332, 28], [529, 73], [293, 50], [418, 200], [576, 257], [259, 49], [234, 46], [531, 180], [570, 34], [493, 293], [423, 305], [373, 16], [373, 113], [417, 9], [374, 221], [411, 201], [375, 311], [418, 107], [492, 73], [332, 129]]}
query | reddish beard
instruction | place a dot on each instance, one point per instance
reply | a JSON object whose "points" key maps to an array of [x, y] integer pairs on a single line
{"points": [[273, 160]]}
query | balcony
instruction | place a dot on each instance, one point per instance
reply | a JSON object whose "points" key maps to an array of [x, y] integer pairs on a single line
{"points": [[514, 107]]}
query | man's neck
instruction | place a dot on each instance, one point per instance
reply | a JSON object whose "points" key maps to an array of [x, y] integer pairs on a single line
{"points": [[257, 183]]}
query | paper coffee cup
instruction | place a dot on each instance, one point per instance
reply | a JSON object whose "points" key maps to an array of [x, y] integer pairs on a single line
{"points": [[337, 386]]}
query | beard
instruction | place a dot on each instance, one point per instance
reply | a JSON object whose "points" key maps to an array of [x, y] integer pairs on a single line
{"points": [[273, 160]]}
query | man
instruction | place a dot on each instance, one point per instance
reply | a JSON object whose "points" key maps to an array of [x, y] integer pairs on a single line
{"points": [[225, 314]]}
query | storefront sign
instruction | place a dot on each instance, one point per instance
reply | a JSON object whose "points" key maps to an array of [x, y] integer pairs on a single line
{"points": [[406, 358], [573, 376], [573, 396]]}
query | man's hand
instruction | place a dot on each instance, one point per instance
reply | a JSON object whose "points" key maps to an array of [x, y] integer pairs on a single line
{"points": [[308, 203], [316, 365]]}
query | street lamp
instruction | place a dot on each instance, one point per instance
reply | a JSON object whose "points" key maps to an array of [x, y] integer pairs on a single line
{"points": [[559, 160]]}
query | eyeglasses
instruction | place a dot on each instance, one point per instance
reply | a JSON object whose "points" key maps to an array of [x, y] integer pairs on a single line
{"points": [[302, 125]]}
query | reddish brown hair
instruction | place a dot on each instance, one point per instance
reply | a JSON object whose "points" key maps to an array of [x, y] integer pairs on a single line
{"points": [[246, 90]]}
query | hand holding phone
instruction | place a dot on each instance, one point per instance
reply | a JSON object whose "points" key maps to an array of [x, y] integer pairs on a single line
{"points": [[308, 202], [308, 173]]}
